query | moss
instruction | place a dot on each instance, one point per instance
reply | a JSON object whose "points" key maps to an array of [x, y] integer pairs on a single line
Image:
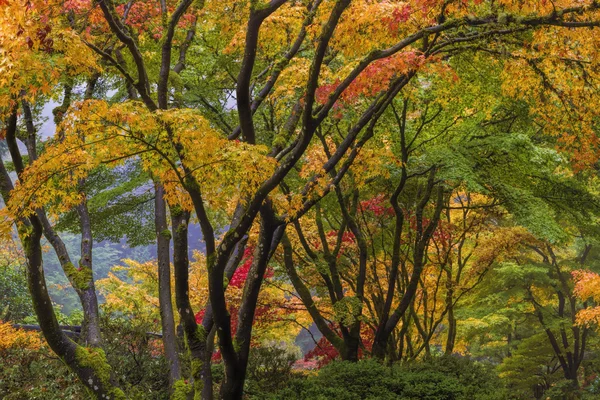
{"points": [[180, 390], [503, 18], [236, 346], [95, 359], [279, 140], [198, 4], [258, 5], [197, 375], [196, 364], [182, 228], [201, 334], [81, 277], [58, 113], [210, 262], [117, 394], [186, 343], [175, 80], [196, 367], [24, 232], [191, 183], [26, 247], [166, 233]]}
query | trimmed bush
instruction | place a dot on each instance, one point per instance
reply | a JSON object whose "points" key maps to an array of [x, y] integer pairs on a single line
{"points": [[443, 378]]}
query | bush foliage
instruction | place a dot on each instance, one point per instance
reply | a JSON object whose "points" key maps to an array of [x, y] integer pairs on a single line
{"points": [[443, 378]]}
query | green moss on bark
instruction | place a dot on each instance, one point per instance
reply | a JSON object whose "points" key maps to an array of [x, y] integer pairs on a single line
{"points": [[24, 233], [182, 228], [118, 394], [236, 346], [197, 375], [95, 359], [258, 5], [201, 334], [196, 367], [180, 390], [81, 277]]}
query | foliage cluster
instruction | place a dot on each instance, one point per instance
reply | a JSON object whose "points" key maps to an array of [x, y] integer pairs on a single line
{"points": [[445, 378]]}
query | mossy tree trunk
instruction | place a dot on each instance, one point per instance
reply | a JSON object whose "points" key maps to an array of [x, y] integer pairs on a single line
{"points": [[167, 320]]}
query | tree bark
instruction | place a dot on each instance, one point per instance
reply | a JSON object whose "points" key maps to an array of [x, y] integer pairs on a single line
{"points": [[195, 335], [167, 320], [235, 373], [90, 328]]}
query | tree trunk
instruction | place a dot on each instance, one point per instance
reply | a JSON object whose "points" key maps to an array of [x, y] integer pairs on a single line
{"points": [[89, 364], [195, 335], [167, 320], [451, 339], [235, 372]]}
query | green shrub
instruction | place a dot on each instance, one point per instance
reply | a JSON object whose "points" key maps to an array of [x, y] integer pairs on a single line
{"points": [[29, 370], [136, 358], [443, 378], [269, 369], [15, 301]]}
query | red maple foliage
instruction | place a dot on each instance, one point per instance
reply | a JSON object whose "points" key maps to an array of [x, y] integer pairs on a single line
{"points": [[324, 352], [372, 80], [377, 205], [264, 314], [399, 15]]}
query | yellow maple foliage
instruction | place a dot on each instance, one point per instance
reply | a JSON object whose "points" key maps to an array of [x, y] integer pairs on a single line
{"points": [[137, 296], [13, 337], [587, 286], [37, 49], [95, 133]]}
